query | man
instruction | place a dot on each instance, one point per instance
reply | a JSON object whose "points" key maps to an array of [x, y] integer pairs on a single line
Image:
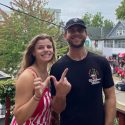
{"points": [[88, 75]]}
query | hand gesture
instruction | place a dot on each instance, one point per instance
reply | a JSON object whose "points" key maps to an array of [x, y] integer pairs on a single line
{"points": [[39, 86], [62, 86]]}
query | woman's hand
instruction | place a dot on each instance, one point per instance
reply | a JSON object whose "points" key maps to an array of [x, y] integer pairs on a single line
{"points": [[39, 86]]}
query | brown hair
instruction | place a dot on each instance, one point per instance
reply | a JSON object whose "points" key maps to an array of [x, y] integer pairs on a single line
{"points": [[28, 58]]}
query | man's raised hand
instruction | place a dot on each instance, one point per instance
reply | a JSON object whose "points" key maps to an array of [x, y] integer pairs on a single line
{"points": [[62, 86]]}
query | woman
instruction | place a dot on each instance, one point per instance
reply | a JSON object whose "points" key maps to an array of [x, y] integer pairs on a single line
{"points": [[32, 99]]}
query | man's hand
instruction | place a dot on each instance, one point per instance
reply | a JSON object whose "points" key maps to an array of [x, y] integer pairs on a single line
{"points": [[62, 86]]}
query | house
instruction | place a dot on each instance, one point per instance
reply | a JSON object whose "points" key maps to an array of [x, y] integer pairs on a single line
{"points": [[56, 14], [110, 41]]}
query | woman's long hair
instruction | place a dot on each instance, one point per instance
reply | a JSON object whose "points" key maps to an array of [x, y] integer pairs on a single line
{"points": [[28, 58]]}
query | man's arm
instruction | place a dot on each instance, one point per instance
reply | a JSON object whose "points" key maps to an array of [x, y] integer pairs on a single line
{"points": [[62, 87], [58, 103], [110, 105]]}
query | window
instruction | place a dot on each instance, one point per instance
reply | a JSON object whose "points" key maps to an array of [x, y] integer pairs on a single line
{"points": [[108, 44], [120, 31], [119, 44], [96, 43], [123, 32]]}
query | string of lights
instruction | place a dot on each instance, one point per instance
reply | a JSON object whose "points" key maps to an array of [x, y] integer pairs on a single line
{"points": [[29, 15]]}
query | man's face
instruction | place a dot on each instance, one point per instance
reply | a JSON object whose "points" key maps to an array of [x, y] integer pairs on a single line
{"points": [[76, 36]]}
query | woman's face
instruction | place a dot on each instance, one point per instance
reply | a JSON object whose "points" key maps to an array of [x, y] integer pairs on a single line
{"points": [[43, 50]]}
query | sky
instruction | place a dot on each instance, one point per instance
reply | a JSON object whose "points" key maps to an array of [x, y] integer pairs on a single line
{"points": [[77, 8]]}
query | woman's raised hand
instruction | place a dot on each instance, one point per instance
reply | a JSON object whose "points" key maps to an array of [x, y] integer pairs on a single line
{"points": [[40, 85]]}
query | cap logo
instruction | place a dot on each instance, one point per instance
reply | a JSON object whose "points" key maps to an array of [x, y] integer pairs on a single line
{"points": [[75, 20]]}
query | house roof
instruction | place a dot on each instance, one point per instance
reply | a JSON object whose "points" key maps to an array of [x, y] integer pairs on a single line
{"points": [[96, 33], [123, 22], [110, 36]]}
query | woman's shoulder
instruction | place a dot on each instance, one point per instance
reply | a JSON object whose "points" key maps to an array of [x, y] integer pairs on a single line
{"points": [[26, 74], [25, 78]]}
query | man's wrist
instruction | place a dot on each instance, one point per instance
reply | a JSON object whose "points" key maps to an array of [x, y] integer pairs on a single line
{"points": [[60, 96]]}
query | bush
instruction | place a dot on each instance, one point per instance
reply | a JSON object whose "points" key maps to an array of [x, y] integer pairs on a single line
{"points": [[7, 89]]}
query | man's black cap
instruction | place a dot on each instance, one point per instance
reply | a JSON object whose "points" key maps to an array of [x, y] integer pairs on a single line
{"points": [[74, 21]]}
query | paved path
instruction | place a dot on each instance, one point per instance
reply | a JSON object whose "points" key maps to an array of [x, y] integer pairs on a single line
{"points": [[116, 79], [120, 97]]}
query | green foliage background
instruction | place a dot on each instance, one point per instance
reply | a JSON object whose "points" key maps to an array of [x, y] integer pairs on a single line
{"points": [[17, 29]]}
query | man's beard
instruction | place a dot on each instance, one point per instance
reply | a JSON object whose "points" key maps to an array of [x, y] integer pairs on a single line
{"points": [[76, 46]]}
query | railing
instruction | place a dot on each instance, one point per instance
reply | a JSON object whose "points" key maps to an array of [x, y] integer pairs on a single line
{"points": [[5, 113], [120, 112], [121, 118], [7, 93]]}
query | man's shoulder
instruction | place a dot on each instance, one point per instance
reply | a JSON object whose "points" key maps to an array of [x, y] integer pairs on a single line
{"points": [[60, 61], [97, 56], [59, 65]]}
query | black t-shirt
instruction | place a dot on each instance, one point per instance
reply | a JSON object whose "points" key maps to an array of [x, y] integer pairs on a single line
{"points": [[84, 103]]}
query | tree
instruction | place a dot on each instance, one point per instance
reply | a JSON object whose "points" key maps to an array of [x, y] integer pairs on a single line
{"points": [[107, 23], [96, 20], [88, 19], [120, 11], [17, 29]]}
